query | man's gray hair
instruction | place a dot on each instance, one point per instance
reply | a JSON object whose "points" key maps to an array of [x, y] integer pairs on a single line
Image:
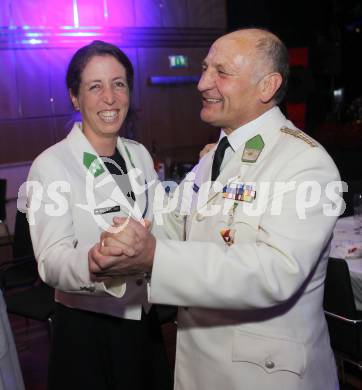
{"points": [[273, 51]]}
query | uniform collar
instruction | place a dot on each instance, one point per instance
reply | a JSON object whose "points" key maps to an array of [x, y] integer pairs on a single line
{"points": [[243, 133], [267, 126], [101, 184]]}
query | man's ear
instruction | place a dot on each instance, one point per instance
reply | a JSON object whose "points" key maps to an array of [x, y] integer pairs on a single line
{"points": [[269, 85], [74, 100]]}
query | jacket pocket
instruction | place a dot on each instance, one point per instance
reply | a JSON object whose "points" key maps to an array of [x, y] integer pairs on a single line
{"points": [[272, 354]]}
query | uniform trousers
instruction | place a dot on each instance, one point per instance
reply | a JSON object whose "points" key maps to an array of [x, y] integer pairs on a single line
{"points": [[98, 351]]}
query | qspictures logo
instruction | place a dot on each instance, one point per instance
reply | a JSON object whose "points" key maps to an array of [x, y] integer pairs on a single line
{"points": [[103, 195]]}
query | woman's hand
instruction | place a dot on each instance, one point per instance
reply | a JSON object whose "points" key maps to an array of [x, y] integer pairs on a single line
{"points": [[125, 251]]}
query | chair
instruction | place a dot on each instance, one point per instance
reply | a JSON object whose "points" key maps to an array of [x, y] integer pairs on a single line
{"points": [[3, 212], [21, 270], [35, 303], [344, 320], [30, 298]]}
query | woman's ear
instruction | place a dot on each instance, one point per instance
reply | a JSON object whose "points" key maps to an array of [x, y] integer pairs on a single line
{"points": [[269, 86], [74, 100]]}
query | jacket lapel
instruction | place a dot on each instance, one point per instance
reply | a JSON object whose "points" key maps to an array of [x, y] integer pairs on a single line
{"points": [[101, 189], [137, 178]]}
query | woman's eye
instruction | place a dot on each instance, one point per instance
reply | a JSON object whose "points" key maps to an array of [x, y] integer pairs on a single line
{"points": [[120, 84], [94, 87]]}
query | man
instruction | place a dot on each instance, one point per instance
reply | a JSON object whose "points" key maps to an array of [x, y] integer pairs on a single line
{"points": [[249, 267]]}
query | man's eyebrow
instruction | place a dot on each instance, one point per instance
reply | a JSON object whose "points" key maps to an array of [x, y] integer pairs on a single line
{"points": [[225, 67]]}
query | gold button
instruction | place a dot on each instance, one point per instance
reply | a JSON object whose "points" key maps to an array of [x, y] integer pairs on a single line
{"points": [[269, 364]]}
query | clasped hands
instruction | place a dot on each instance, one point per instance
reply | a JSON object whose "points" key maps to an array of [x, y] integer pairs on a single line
{"points": [[127, 249]]}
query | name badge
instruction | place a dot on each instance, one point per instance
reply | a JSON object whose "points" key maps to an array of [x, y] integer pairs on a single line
{"points": [[106, 210]]}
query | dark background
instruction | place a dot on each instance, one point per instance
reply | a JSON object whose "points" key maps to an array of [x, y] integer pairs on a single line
{"points": [[332, 33]]}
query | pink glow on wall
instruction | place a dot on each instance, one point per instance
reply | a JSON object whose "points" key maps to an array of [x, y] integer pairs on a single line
{"points": [[44, 13], [67, 13]]}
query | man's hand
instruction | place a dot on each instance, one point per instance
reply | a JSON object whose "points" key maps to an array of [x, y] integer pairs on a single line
{"points": [[127, 252], [97, 262]]}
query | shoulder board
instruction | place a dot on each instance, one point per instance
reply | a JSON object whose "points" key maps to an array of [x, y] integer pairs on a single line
{"points": [[299, 134], [130, 141]]}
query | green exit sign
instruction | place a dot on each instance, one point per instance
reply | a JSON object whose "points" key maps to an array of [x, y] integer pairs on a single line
{"points": [[178, 61]]}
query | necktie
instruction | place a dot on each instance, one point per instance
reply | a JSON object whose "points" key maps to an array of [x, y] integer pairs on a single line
{"points": [[218, 157], [120, 175]]}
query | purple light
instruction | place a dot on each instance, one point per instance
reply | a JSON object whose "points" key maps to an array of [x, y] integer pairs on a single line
{"points": [[32, 41], [43, 22], [75, 14], [33, 34], [80, 13], [80, 34], [105, 6]]}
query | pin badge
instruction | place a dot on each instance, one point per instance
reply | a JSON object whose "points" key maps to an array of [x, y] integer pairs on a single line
{"points": [[253, 148], [228, 235]]}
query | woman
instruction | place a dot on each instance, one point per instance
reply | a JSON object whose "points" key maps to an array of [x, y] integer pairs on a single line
{"points": [[99, 342]]}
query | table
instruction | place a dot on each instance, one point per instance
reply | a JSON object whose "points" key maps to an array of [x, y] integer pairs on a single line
{"points": [[347, 244]]}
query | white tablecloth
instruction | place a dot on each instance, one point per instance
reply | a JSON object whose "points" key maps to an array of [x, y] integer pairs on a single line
{"points": [[355, 269], [347, 244]]}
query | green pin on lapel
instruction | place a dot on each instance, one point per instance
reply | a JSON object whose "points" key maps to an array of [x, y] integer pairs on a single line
{"points": [[253, 148], [93, 164]]}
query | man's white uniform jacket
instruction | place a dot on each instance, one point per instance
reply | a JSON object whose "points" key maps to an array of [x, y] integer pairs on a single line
{"points": [[251, 315]]}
